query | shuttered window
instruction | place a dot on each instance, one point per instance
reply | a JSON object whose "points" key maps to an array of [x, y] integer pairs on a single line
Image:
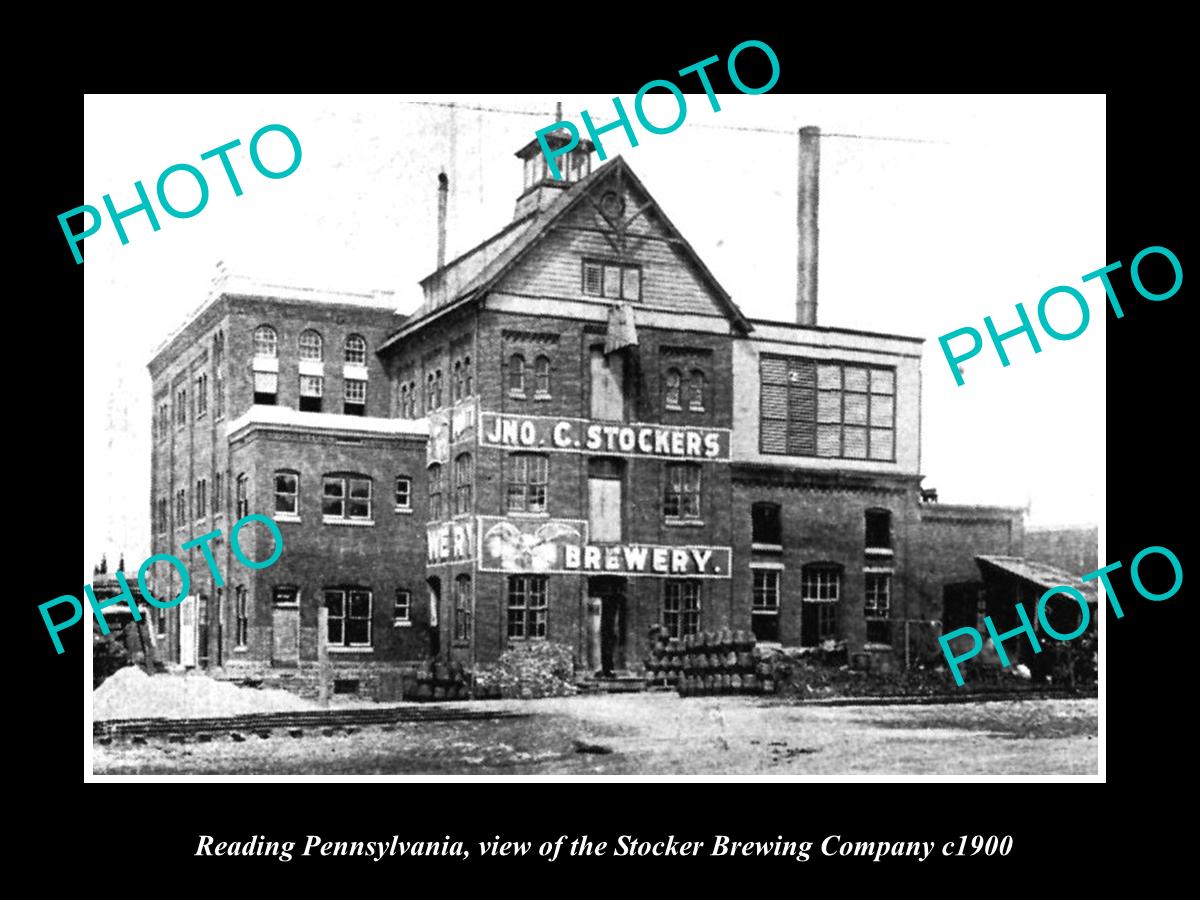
{"points": [[828, 409]]}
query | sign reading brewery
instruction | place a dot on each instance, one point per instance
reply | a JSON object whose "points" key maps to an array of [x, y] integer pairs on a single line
{"points": [[560, 545], [586, 436], [450, 541]]}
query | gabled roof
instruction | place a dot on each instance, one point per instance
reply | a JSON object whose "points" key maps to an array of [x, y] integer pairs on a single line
{"points": [[480, 268]]}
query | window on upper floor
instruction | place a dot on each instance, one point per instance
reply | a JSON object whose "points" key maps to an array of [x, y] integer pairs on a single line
{"points": [[402, 608], [878, 529], [356, 350], [201, 498], [201, 395], [287, 493], [696, 390], [243, 499], [312, 346], [346, 498], [356, 397], [462, 483], [403, 493], [830, 409], [618, 281], [541, 378], [404, 401], [681, 496], [181, 408], [468, 380], [527, 482], [434, 480], [766, 524], [516, 375], [266, 388], [456, 382], [672, 388], [312, 387], [266, 342], [218, 498]]}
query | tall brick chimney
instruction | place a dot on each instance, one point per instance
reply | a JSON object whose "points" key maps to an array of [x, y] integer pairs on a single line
{"points": [[443, 195], [808, 194]]}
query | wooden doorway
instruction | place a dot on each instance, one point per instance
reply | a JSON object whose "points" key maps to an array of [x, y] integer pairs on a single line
{"points": [[610, 591]]}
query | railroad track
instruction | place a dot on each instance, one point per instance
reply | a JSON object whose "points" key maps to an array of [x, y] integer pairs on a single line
{"points": [[297, 724]]}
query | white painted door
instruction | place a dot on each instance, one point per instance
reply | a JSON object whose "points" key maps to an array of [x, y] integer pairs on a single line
{"points": [[608, 378], [604, 510]]}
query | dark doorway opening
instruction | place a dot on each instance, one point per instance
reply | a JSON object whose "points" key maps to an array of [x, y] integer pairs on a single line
{"points": [[961, 605], [435, 601], [610, 590]]}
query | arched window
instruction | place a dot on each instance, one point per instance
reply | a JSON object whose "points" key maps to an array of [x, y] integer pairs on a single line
{"points": [[820, 596], [404, 414], [456, 382], [435, 492], [266, 341], [468, 382], [312, 346], [878, 529], [541, 376], [356, 350], [462, 608], [462, 483], [516, 375], [671, 389], [696, 391], [766, 525], [429, 393]]}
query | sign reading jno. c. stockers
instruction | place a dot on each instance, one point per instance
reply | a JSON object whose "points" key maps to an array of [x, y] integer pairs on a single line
{"points": [[586, 436]]}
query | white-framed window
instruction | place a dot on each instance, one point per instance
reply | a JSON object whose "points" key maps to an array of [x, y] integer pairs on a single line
{"points": [[356, 350], [681, 607], [527, 606], [287, 493], [877, 593], [403, 492], [820, 595], [312, 387], [349, 616], [266, 342], [528, 478], [764, 609], [356, 396], [346, 497], [312, 346], [402, 608], [266, 387], [681, 497], [614, 280]]}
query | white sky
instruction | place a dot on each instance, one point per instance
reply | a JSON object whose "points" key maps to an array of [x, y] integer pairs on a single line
{"points": [[916, 239]]}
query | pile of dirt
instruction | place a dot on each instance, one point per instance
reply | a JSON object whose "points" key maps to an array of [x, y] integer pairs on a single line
{"points": [[132, 694], [541, 669]]}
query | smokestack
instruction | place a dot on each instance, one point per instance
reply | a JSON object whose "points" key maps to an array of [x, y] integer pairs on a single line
{"points": [[443, 196], [808, 193]]}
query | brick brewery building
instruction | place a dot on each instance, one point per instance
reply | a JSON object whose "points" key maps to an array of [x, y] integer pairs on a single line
{"points": [[578, 435]]}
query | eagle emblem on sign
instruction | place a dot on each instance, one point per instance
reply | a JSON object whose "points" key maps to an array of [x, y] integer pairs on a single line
{"points": [[517, 551]]}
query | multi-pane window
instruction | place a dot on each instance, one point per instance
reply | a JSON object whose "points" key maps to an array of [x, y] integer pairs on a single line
{"points": [[462, 483], [181, 411], [433, 390], [287, 493], [606, 279], [817, 408], [695, 393], [312, 387], [877, 606], [356, 397], [527, 480], [349, 617], [434, 479], [243, 502], [462, 608], [681, 498], [820, 591], [242, 615], [312, 347], [681, 607], [201, 498], [516, 375], [541, 377], [403, 492], [356, 350], [764, 609], [266, 342], [402, 609], [527, 606], [346, 497], [201, 395], [672, 385]]}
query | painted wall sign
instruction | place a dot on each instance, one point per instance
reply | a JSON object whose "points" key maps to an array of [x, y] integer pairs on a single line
{"points": [[450, 542], [585, 436], [560, 546]]}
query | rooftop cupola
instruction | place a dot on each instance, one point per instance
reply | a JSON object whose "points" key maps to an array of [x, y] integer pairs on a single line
{"points": [[540, 187]]}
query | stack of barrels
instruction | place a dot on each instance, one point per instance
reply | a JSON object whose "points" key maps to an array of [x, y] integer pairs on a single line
{"points": [[438, 680], [664, 665], [722, 662]]}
